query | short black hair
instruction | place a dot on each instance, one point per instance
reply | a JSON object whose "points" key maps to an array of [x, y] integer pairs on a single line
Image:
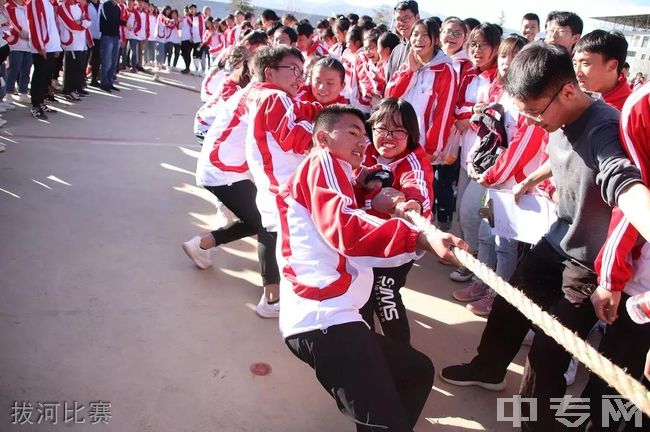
{"points": [[248, 15], [353, 17], [331, 63], [304, 29], [256, 37], [471, 24], [566, 19], [367, 25], [290, 17], [290, 32], [626, 65], [388, 39], [270, 15], [609, 44], [329, 116], [342, 25], [409, 118], [411, 5], [274, 27], [270, 57], [539, 70], [432, 28], [355, 34], [531, 17], [239, 12], [323, 24], [372, 36]]}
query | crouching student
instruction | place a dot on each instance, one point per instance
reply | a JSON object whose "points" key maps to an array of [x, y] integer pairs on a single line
{"points": [[325, 84], [379, 383], [396, 148]]}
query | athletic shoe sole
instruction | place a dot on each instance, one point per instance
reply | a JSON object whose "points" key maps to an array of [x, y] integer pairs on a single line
{"points": [[497, 387]]}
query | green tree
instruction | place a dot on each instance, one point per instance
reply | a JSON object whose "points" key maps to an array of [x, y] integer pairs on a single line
{"points": [[242, 5]]}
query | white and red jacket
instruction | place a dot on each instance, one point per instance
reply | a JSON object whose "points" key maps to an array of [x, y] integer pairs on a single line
{"points": [[223, 158], [615, 261], [152, 35], [164, 27], [619, 94], [316, 48], [43, 31], [348, 59], [432, 91], [17, 16], [212, 82], [209, 110], [73, 26], [327, 247], [230, 35], [140, 26], [306, 94], [175, 35], [215, 41], [462, 64], [526, 146], [367, 80], [413, 176], [474, 87], [197, 28], [278, 139], [124, 16]]}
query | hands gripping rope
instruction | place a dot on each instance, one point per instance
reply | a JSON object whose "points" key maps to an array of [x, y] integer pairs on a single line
{"points": [[616, 377]]}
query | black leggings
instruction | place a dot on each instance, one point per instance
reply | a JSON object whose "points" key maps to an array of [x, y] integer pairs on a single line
{"points": [[41, 77], [73, 73], [377, 382], [239, 198], [386, 302]]}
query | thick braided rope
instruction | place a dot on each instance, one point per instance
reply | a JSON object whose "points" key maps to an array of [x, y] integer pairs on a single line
{"points": [[616, 377]]}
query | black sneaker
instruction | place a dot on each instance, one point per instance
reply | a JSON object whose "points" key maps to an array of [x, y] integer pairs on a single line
{"points": [[106, 89], [39, 114], [82, 93], [47, 109], [115, 88], [468, 374], [71, 97], [94, 83]]}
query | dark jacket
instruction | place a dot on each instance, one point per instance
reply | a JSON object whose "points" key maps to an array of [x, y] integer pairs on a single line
{"points": [[110, 19]]}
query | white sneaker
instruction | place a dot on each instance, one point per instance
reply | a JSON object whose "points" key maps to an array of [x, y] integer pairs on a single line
{"points": [[200, 257], [266, 310]]}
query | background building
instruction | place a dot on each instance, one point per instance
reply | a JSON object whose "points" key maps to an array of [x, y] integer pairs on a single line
{"points": [[636, 29]]}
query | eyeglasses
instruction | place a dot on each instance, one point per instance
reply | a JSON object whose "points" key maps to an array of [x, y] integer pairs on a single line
{"points": [[297, 72], [385, 133], [538, 118], [453, 33], [405, 20], [560, 31], [479, 46]]}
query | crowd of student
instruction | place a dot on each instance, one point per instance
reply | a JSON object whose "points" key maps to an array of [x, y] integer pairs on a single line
{"points": [[322, 139]]}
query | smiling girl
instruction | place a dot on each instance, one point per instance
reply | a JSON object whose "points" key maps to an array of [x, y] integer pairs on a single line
{"points": [[427, 81], [326, 83], [396, 148]]}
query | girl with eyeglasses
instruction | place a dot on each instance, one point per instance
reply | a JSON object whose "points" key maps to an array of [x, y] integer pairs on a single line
{"points": [[525, 153], [396, 150], [483, 46]]}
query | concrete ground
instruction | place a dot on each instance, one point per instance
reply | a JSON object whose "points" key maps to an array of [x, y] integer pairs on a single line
{"points": [[99, 303]]}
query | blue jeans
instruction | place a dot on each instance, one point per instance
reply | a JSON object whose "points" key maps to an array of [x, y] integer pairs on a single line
{"points": [[136, 58], [470, 202], [499, 253], [443, 185], [109, 50], [161, 52], [20, 64]]}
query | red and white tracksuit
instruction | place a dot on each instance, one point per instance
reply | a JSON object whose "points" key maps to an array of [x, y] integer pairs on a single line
{"points": [[209, 110], [316, 48], [73, 35], [328, 246], [278, 139], [474, 87], [215, 41], [619, 94], [624, 261], [526, 147], [223, 158], [306, 94], [212, 83], [367, 80], [433, 92], [197, 28], [43, 31], [17, 16], [413, 176], [139, 21]]}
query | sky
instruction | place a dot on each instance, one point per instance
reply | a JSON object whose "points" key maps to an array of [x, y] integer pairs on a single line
{"points": [[480, 9]]}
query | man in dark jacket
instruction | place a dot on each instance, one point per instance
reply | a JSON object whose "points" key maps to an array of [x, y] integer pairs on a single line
{"points": [[110, 20], [406, 13]]}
